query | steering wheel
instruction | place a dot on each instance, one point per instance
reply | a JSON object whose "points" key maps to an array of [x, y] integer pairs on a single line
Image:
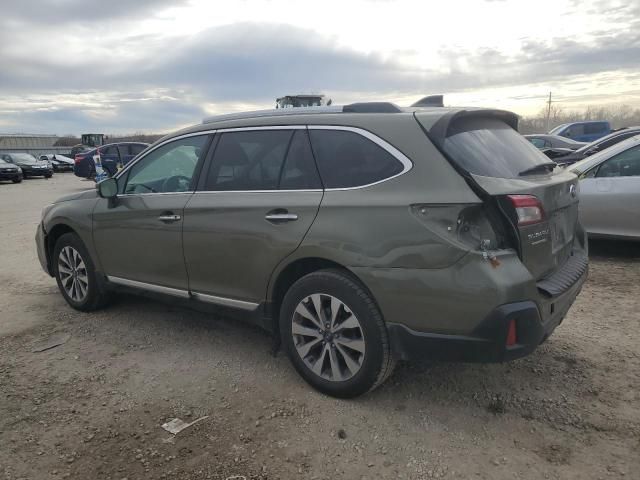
{"points": [[177, 183]]}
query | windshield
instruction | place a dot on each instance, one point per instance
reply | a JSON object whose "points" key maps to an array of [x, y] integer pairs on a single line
{"points": [[489, 147], [554, 131], [23, 158]]}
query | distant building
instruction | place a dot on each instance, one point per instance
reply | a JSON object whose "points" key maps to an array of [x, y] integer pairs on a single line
{"points": [[36, 144]]}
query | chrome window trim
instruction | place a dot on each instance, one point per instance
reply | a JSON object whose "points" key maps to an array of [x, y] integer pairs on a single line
{"points": [[225, 301], [313, 190], [149, 286], [397, 154]]}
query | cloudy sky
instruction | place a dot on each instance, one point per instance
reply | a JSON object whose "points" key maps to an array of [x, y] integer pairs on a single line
{"points": [[73, 66]]}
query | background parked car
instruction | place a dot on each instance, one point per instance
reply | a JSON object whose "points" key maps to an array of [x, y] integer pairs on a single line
{"points": [[610, 191], [11, 172], [29, 164], [583, 131], [544, 140], [601, 144], [110, 155], [60, 163]]}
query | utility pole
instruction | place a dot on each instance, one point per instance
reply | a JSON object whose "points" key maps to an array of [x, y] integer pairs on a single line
{"points": [[548, 111]]}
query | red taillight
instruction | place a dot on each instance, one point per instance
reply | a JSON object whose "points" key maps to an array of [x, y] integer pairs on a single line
{"points": [[78, 158], [511, 334], [528, 209]]}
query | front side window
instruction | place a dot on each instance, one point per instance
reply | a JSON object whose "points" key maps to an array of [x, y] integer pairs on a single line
{"points": [[537, 142], [169, 168], [347, 159], [625, 164], [136, 148]]}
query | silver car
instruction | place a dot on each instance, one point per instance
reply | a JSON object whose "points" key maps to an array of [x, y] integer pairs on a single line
{"points": [[610, 191]]}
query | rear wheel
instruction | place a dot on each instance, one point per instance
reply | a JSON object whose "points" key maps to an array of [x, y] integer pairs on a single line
{"points": [[334, 334], [16, 180], [76, 275]]}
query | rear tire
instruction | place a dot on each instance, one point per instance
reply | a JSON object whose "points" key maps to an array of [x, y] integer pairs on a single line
{"points": [[76, 275], [16, 180], [343, 350]]}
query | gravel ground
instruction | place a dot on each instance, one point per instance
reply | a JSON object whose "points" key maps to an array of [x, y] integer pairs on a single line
{"points": [[92, 407]]}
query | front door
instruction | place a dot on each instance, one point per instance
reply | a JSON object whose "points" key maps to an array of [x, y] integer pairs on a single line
{"points": [[253, 207], [610, 196], [139, 236]]}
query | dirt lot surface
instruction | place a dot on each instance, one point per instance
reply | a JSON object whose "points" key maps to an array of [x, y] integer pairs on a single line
{"points": [[92, 407]]}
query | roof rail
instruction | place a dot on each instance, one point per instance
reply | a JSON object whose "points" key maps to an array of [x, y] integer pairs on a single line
{"points": [[362, 107]]}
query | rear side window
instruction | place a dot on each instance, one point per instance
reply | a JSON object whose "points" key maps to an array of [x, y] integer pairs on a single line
{"points": [[594, 128], [136, 149], [489, 147], [112, 150], [347, 159], [250, 160]]}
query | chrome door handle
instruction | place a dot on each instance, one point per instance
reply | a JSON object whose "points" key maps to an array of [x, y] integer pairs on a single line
{"points": [[169, 218], [281, 217]]}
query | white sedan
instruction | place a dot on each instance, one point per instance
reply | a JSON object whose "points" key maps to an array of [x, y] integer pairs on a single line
{"points": [[610, 191]]}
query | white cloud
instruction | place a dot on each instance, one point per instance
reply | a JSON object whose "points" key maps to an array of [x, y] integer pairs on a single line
{"points": [[159, 63]]}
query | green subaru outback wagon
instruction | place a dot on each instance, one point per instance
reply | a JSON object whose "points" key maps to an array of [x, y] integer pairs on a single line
{"points": [[358, 235]]}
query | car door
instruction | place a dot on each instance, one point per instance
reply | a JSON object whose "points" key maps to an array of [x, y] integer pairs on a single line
{"points": [[260, 195], [610, 196], [138, 236], [109, 158]]}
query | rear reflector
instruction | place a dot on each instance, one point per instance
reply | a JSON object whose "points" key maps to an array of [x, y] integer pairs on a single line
{"points": [[511, 334], [528, 208]]}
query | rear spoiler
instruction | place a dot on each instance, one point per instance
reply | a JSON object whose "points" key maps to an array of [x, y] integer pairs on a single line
{"points": [[440, 130]]}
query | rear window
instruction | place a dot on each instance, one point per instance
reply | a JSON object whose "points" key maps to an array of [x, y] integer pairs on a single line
{"points": [[489, 147]]}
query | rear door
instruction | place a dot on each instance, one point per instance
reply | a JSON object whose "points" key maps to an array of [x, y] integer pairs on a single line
{"points": [[540, 205], [110, 158], [254, 205], [610, 196]]}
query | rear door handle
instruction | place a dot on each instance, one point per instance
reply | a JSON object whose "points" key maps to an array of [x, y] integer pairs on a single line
{"points": [[281, 216], [169, 218]]}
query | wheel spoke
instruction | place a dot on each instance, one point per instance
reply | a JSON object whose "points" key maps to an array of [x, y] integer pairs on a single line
{"points": [[303, 350], [64, 258], [298, 329], [317, 303], [63, 269], [350, 322], [336, 374], [335, 308], [304, 312], [352, 365], [318, 364], [352, 343], [82, 287]]}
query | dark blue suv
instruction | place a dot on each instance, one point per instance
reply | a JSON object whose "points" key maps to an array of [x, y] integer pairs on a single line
{"points": [[111, 156]]}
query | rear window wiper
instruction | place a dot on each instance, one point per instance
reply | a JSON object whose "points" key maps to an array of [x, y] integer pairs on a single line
{"points": [[540, 168]]}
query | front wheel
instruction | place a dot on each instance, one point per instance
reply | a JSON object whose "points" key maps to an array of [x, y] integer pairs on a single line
{"points": [[76, 275], [334, 334]]}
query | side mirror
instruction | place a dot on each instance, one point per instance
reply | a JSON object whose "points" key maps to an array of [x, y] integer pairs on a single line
{"points": [[108, 188]]}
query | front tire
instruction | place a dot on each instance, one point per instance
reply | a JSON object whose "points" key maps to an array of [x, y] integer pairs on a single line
{"points": [[334, 334], [76, 275]]}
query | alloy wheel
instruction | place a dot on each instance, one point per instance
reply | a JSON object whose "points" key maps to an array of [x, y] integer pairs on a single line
{"points": [[328, 337], [73, 274]]}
